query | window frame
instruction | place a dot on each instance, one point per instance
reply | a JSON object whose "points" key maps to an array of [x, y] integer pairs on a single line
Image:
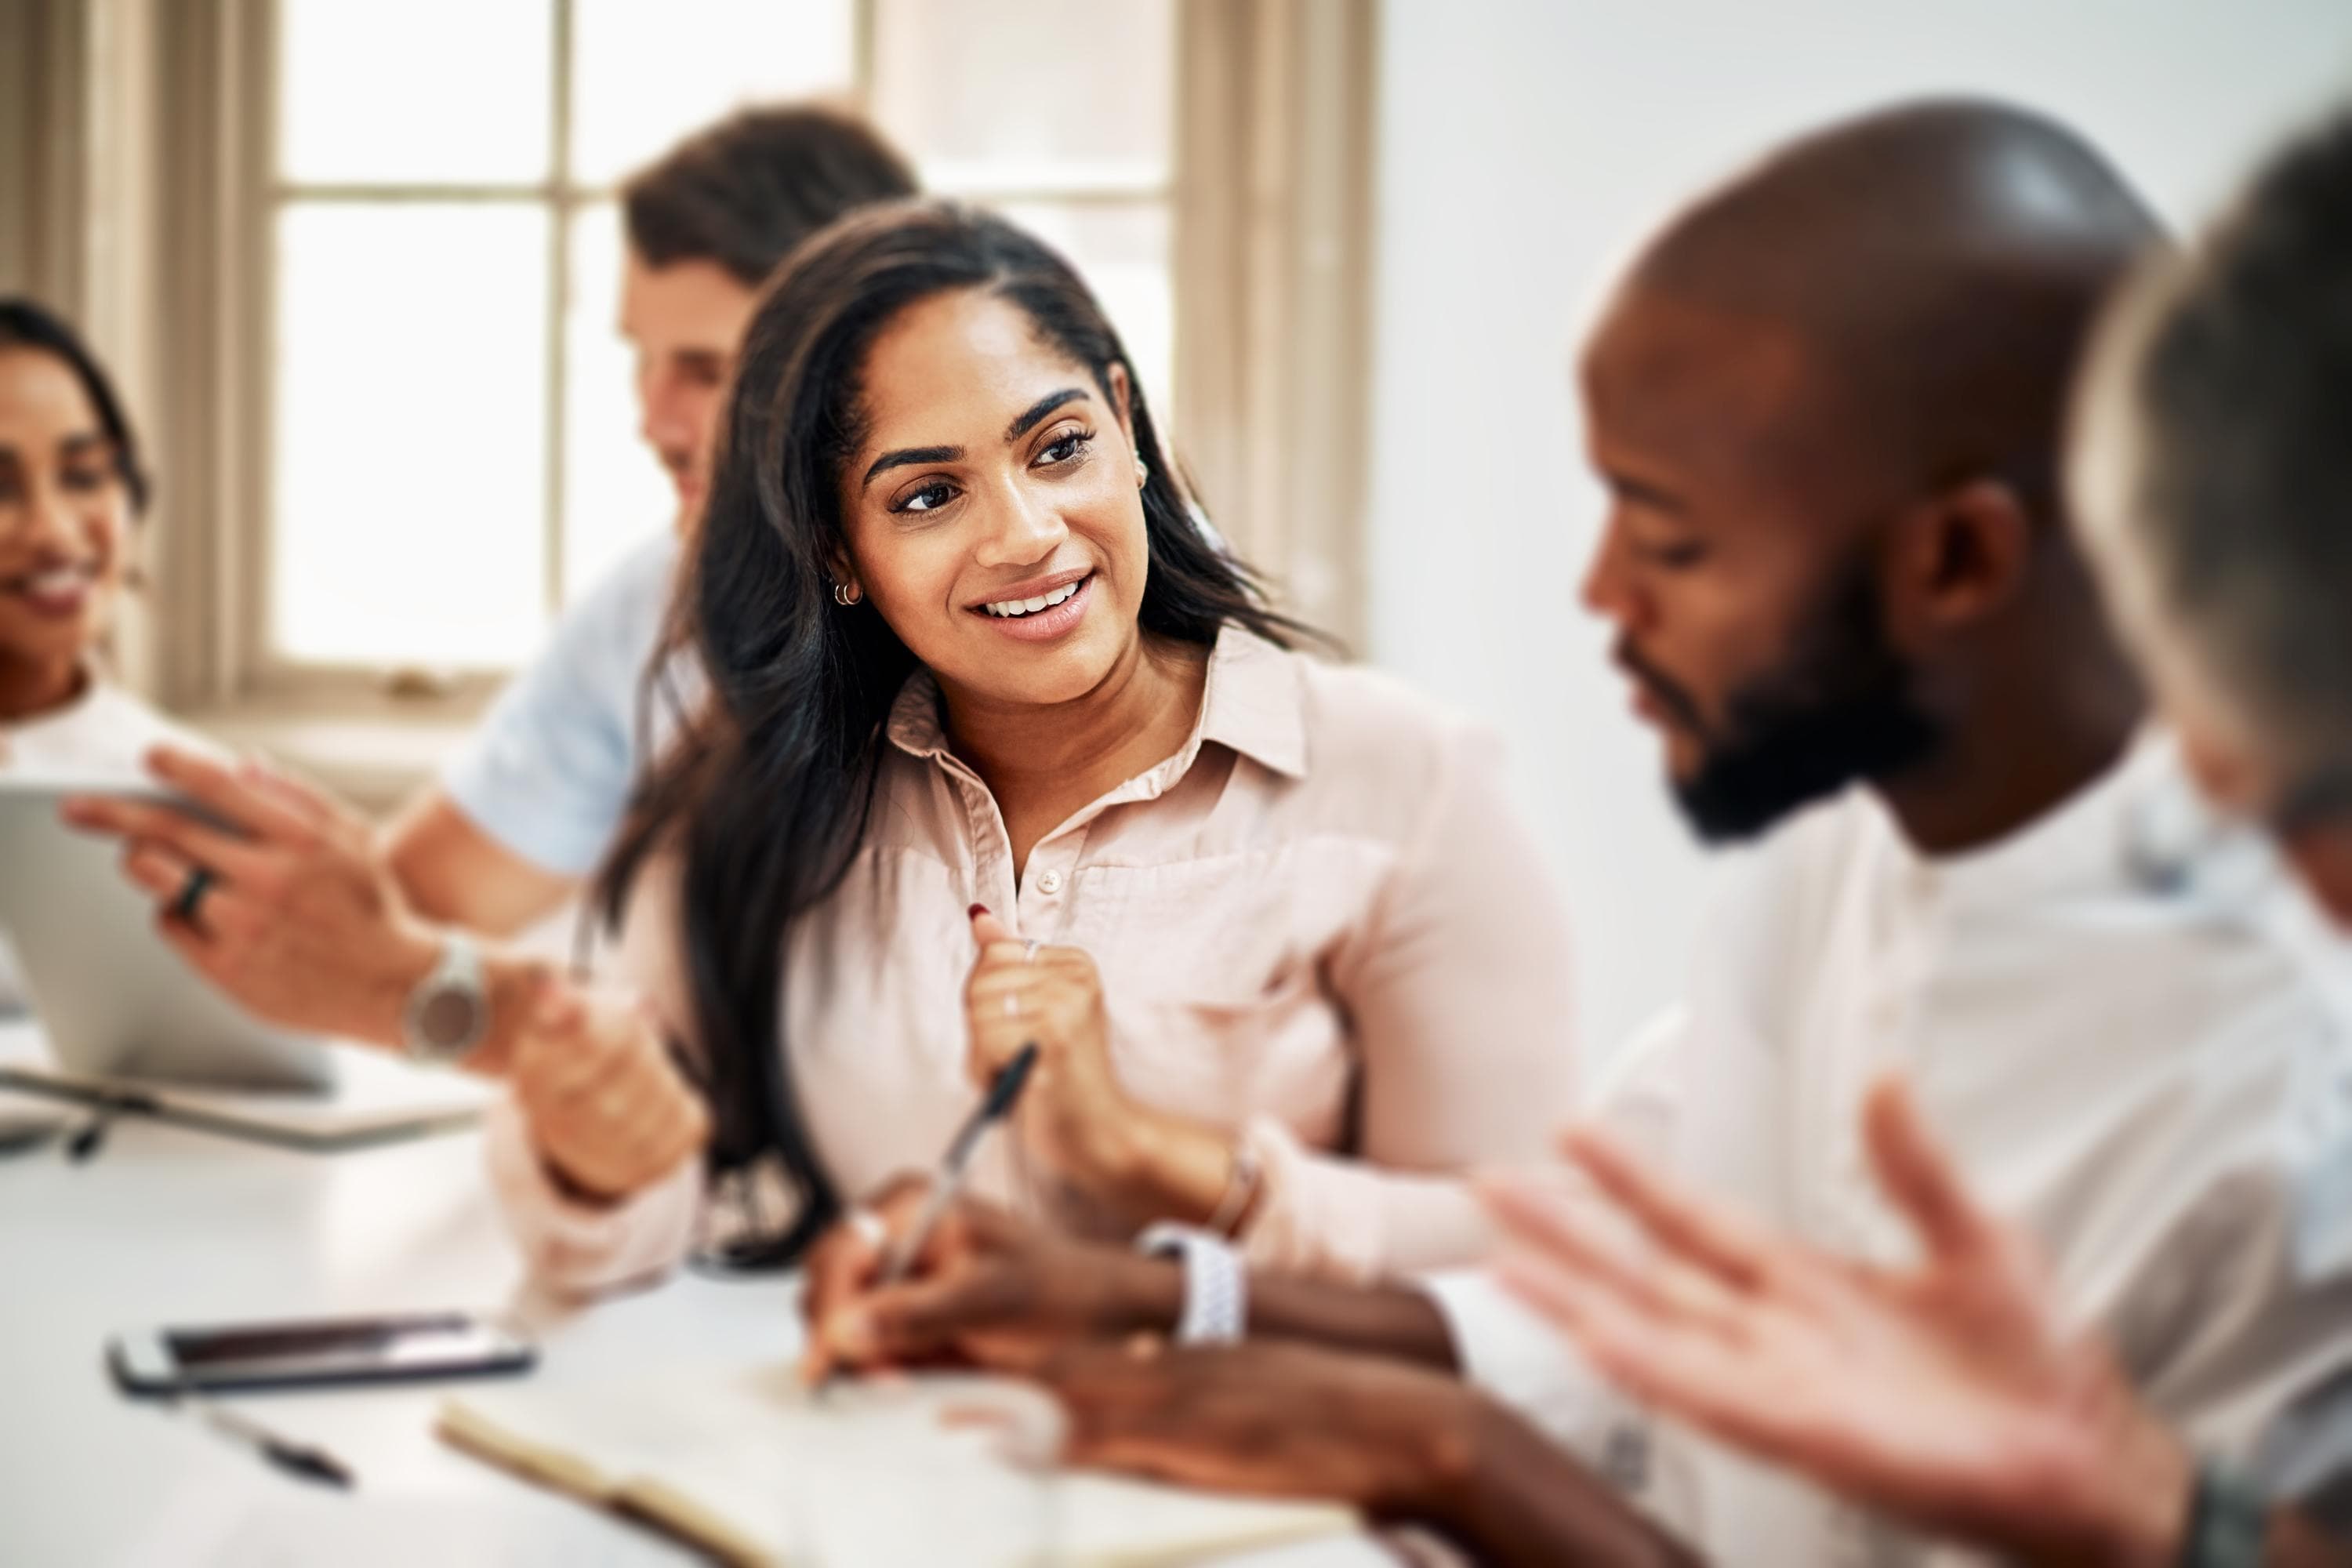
{"points": [[1268, 198]]}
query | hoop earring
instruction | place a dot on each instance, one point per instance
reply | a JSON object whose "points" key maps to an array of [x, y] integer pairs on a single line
{"points": [[1142, 470], [845, 595]]}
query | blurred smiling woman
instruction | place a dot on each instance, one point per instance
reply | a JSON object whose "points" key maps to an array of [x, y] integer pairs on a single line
{"points": [[70, 489], [1289, 961]]}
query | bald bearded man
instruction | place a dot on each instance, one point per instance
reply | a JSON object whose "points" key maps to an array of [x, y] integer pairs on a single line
{"points": [[1827, 403]]}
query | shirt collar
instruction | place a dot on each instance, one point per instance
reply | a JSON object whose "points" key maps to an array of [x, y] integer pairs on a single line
{"points": [[2140, 825], [1254, 704]]}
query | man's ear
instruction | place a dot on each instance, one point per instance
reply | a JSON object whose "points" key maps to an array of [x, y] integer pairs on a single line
{"points": [[1958, 557]]}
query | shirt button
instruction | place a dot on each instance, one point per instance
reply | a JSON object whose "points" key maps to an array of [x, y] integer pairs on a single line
{"points": [[1051, 882]]}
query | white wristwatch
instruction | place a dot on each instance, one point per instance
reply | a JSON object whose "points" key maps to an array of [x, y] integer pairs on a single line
{"points": [[449, 1011], [1216, 1286]]}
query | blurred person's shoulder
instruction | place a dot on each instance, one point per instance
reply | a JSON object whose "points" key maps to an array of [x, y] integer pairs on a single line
{"points": [[630, 602], [613, 633]]}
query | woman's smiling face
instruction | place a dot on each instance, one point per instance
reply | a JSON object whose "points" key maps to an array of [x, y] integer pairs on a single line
{"points": [[65, 513], [993, 508]]}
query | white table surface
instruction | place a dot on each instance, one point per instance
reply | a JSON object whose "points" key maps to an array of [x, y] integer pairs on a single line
{"points": [[171, 1226]]}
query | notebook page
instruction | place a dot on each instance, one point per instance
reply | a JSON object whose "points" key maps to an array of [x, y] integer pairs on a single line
{"points": [[751, 1465]]}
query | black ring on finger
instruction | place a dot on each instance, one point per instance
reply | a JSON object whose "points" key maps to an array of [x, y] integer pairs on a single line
{"points": [[192, 894]]}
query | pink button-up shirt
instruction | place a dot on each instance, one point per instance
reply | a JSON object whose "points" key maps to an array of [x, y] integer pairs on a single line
{"points": [[1320, 924]]}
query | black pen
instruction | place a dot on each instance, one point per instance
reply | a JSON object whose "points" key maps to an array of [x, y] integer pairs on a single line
{"points": [[993, 1108], [92, 1135], [300, 1459], [1003, 1095]]}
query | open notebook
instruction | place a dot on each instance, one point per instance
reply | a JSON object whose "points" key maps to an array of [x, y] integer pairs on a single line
{"points": [[750, 1468]]}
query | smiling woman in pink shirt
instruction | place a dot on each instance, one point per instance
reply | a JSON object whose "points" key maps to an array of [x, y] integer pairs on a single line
{"points": [[1287, 953]]}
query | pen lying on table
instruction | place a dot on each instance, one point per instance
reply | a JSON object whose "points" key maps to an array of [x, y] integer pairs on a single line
{"points": [[109, 1103], [301, 1459]]}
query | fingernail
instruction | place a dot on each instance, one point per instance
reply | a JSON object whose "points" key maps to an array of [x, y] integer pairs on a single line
{"points": [[975, 912]]}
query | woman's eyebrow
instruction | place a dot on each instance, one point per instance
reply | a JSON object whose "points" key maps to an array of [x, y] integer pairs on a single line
{"points": [[907, 456], [1031, 416], [1028, 419]]}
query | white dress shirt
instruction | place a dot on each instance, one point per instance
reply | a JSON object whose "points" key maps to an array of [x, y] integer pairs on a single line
{"points": [[2127, 1024]]}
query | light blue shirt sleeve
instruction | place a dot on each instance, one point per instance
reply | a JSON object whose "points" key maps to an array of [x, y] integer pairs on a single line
{"points": [[547, 773]]}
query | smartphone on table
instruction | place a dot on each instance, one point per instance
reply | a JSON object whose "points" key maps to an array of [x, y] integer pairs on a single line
{"points": [[316, 1352]]}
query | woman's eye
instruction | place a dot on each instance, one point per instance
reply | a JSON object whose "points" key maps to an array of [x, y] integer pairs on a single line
{"points": [[87, 479], [1065, 447], [930, 498], [1673, 557]]}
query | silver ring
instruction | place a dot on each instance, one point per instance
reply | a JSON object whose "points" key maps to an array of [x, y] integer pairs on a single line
{"points": [[867, 1227], [1031, 956], [1013, 1003]]}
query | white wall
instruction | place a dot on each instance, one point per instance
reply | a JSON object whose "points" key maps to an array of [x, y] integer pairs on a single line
{"points": [[1526, 145]]}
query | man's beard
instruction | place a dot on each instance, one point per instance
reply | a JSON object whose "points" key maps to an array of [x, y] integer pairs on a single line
{"points": [[1838, 711]]}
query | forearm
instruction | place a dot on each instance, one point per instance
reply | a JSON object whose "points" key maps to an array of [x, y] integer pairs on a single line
{"points": [[1152, 1166], [1296, 1210], [579, 1247], [1395, 1323], [452, 872], [1389, 1321], [1513, 1499]]}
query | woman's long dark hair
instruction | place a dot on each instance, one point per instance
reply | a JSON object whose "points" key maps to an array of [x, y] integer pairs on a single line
{"points": [[767, 796], [25, 325]]}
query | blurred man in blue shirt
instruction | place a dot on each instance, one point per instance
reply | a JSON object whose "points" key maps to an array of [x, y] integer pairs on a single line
{"points": [[335, 927]]}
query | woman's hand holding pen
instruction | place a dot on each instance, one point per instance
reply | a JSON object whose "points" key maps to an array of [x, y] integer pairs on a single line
{"points": [[608, 1109], [1076, 1118]]}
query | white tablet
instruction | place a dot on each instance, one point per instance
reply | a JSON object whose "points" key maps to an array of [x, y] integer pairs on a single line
{"points": [[111, 996]]}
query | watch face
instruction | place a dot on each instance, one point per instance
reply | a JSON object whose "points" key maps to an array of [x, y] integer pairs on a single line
{"points": [[446, 1020]]}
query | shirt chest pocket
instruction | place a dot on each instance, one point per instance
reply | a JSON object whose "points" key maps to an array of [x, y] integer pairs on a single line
{"points": [[1216, 974], [1228, 932]]}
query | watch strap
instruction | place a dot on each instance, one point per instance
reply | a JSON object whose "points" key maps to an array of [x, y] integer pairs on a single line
{"points": [[458, 974], [1217, 1285]]}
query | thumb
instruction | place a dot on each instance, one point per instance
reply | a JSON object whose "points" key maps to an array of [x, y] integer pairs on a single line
{"points": [[987, 930], [1916, 1175]]}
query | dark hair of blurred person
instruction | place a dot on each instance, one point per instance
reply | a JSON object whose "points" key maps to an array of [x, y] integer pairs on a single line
{"points": [[2216, 466]]}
